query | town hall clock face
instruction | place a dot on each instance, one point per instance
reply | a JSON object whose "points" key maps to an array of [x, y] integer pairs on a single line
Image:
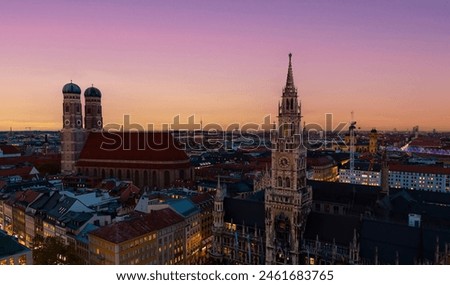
{"points": [[283, 162]]}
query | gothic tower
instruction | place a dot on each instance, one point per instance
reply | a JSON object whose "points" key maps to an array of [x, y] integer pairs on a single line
{"points": [[93, 120], [288, 199], [72, 133], [218, 222]]}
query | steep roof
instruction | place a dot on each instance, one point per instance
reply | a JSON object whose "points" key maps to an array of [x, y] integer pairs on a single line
{"points": [[132, 150], [330, 227], [345, 193], [9, 149], [62, 207], [74, 220], [245, 211], [46, 202], [138, 226], [23, 198], [9, 246], [411, 243], [21, 171]]}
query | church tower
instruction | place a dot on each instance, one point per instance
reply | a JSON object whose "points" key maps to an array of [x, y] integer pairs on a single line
{"points": [[72, 134], [218, 222], [373, 141], [288, 199], [93, 120]]}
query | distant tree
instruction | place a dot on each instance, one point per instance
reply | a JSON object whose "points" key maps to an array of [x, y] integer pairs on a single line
{"points": [[53, 251]]}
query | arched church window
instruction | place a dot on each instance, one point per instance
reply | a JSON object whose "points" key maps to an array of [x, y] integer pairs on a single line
{"points": [[146, 178], [154, 178], [166, 178], [280, 182], [288, 182], [136, 178]]}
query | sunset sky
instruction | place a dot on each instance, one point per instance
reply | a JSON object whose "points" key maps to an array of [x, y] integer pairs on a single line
{"points": [[226, 61]]}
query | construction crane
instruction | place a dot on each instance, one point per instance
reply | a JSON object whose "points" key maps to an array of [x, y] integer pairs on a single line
{"points": [[352, 149]]}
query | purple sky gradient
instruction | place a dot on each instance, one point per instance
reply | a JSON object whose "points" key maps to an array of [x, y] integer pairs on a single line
{"points": [[226, 61]]}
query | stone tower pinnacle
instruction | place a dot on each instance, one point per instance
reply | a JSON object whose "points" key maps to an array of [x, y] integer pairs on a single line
{"points": [[288, 199]]}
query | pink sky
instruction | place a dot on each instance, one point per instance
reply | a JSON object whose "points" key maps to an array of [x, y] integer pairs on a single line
{"points": [[226, 61]]}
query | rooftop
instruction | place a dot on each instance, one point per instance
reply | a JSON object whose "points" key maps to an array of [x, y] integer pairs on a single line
{"points": [[9, 149], [9, 246], [184, 207], [244, 211], [419, 168], [143, 224], [133, 150]]}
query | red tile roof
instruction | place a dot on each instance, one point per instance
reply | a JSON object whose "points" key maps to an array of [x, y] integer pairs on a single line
{"points": [[9, 149], [21, 171], [127, 230], [320, 161], [429, 142], [419, 169], [133, 150], [201, 198], [23, 197], [36, 160], [127, 191], [28, 196]]}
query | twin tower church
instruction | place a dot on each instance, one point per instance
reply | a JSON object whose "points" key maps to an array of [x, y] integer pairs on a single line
{"points": [[147, 159], [273, 232]]}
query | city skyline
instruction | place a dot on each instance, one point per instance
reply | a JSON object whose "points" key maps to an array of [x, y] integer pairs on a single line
{"points": [[223, 62]]}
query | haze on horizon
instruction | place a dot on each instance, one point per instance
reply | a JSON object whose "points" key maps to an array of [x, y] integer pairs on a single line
{"points": [[226, 61]]}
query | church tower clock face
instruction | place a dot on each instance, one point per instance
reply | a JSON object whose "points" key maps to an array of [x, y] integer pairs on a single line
{"points": [[283, 162]]}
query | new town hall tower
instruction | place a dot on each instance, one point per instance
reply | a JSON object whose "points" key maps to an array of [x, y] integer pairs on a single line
{"points": [[288, 199], [269, 230]]}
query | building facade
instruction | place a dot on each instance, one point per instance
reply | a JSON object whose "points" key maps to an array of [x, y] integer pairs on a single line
{"points": [[413, 177], [155, 238]]}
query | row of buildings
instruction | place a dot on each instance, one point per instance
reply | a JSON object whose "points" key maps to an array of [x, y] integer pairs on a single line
{"points": [[401, 176], [113, 226]]}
